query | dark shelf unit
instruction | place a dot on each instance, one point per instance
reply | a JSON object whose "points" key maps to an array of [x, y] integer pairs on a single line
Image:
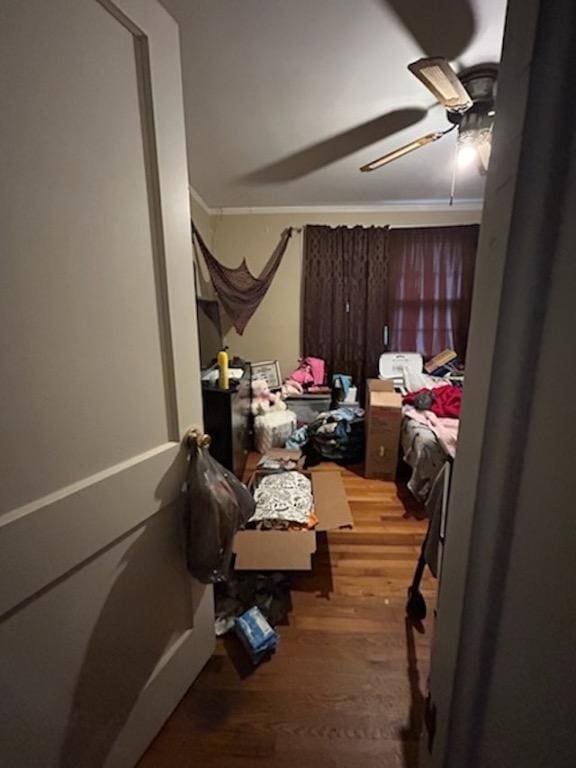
{"points": [[228, 421]]}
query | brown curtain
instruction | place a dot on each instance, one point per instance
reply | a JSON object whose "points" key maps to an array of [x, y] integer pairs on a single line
{"points": [[431, 282], [344, 298]]}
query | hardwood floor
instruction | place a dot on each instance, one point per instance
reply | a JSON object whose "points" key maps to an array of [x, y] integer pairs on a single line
{"points": [[345, 687]]}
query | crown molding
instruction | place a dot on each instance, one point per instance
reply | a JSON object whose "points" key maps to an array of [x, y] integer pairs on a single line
{"points": [[399, 206], [386, 206], [197, 197]]}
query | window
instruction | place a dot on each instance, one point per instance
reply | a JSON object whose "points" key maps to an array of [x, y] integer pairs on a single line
{"points": [[430, 288]]}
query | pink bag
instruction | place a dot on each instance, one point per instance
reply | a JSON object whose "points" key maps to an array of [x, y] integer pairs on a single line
{"points": [[310, 372]]}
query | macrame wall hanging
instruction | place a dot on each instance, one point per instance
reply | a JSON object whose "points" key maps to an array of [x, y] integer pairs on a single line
{"points": [[238, 290]]}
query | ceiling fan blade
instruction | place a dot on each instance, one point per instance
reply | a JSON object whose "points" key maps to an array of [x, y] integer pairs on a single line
{"points": [[441, 80], [429, 138]]}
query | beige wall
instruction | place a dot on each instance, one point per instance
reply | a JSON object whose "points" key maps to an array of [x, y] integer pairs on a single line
{"points": [[203, 220], [205, 224], [274, 331]]}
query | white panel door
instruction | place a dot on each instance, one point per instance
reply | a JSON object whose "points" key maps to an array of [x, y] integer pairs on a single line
{"points": [[101, 628]]}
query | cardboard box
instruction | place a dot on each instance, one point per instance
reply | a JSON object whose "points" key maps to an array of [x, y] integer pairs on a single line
{"points": [[293, 550], [440, 360], [383, 420]]}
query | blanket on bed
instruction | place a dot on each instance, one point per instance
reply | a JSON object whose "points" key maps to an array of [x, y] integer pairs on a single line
{"points": [[445, 429], [445, 401]]}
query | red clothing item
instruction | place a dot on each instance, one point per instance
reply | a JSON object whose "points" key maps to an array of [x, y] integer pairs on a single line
{"points": [[446, 400]]}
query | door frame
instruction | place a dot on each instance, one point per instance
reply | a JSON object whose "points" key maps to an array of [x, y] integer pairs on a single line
{"points": [[524, 220]]}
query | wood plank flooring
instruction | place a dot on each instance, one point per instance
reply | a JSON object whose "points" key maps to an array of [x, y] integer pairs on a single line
{"points": [[345, 688]]}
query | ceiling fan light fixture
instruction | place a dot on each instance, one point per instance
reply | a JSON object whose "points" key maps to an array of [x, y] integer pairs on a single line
{"points": [[429, 138], [484, 150], [439, 77], [474, 146], [466, 156]]}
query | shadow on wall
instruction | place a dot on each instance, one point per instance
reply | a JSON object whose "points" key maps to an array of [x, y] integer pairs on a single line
{"points": [[323, 153], [439, 27], [145, 612]]}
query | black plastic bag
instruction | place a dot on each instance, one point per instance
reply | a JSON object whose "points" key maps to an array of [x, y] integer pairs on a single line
{"points": [[218, 504]]}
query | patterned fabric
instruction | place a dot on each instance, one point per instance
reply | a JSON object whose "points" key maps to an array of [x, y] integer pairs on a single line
{"points": [[345, 297], [283, 498], [238, 290]]}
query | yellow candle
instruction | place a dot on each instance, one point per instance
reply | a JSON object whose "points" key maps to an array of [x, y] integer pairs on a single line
{"points": [[224, 378]]}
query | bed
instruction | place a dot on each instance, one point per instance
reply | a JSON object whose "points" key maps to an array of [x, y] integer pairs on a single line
{"points": [[422, 451], [427, 441]]}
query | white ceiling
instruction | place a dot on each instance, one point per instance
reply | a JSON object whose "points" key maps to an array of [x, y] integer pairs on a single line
{"points": [[269, 84]]}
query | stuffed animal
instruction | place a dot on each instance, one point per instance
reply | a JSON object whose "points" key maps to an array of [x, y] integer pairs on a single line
{"points": [[263, 400]]}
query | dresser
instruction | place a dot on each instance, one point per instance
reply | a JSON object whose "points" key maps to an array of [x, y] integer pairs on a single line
{"points": [[228, 420]]}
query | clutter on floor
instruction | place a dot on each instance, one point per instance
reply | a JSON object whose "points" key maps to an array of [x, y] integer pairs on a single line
{"points": [[269, 592], [289, 545], [256, 635], [322, 432], [336, 435]]}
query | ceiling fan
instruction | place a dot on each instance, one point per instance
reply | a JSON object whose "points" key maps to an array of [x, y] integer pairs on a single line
{"points": [[469, 100]]}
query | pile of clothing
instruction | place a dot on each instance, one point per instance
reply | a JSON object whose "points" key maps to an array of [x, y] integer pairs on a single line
{"points": [[310, 377], [336, 435], [438, 408], [269, 591], [444, 401], [284, 502]]}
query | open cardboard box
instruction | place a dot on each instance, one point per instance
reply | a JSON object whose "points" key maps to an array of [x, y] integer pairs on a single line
{"points": [[293, 550]]}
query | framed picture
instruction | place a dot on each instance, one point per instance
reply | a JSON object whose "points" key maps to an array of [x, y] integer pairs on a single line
{"points": [[269, 370]]}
